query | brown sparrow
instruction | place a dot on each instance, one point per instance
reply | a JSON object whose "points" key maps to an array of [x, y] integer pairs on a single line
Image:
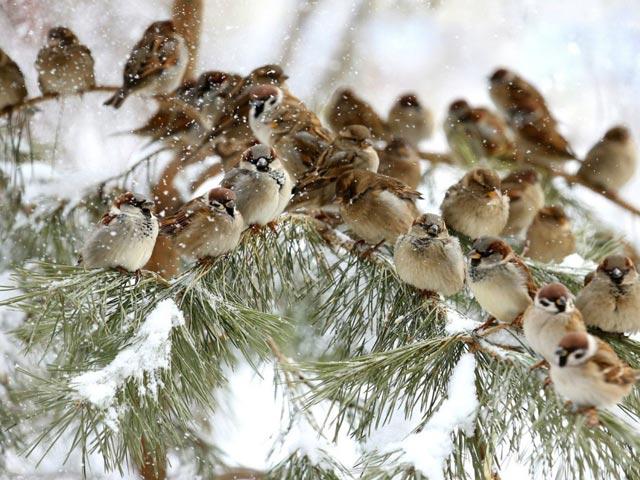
{"points": [[398, 159], [549, 237], [588, 372], [611, 162], [156, 64], [261, 184], [500, 281], [474, 134], [12, 87], [375, 207], [207, 226], [428, 258], [526, 110], [526, 198], [475, 206], [64, 65], [611, 299], [351, 149], [209, 95], [125, 236], [410, 120], [346, 108], [552, 315], [286, 124]]}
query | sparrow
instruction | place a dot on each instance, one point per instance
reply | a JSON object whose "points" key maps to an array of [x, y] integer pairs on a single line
{"points": [[475, 206], [428, 258], [552, 315], [287, 125], [526, 110], [210, 90], [346, 108], [124, 237], [500, 281], [526, 198], [549, 237], [64, 65], [474, 134], [398, 159], [588, 372], [262, 186], [351, 149], [12, 87], [611, 298], [611, 162], [156, 64], [207, 226], [410, 120], [375, 207]]}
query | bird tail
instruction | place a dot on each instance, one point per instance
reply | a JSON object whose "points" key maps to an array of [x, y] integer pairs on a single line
{"points": [[118, 98]]}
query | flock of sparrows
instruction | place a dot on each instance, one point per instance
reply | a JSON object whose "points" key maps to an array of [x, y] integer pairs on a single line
{"points": [[278, 155]]}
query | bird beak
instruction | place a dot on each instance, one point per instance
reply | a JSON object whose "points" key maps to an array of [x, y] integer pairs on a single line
{"points": [[562, 357], [492, 194], [474, 255], [231, 208], [433, 230], [262, 164], [148, 204], [616, 275], [561, 303]]}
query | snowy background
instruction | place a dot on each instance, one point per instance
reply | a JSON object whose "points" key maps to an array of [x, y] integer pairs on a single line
{"points": [[584, 55]]}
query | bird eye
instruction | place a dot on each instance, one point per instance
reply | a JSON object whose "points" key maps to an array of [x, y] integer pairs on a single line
{"points": [[579, 355], [544, 302]]}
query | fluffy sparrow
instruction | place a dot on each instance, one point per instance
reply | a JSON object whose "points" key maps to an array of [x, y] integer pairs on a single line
{"points": [[346, 108], [12, 87], [552, 315], [351, 149], [588, 372], [410, 120], [286, 124], [64, 65], [428, 258], [375, 207], [125, 236], [500, 281], [398, 159], [475, 206], [611, 162], [262, 186], [611, 299], [474, 134], [210, 90], [526, 198], [156, 64], [549, 237], [527, 112], [207, 226]]}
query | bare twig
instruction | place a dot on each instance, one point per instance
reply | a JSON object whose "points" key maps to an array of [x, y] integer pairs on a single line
{"points": [[30, 102], [437, 157]]}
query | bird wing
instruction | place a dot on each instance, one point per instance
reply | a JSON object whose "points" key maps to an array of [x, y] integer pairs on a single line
{"points": [[183, 217], [397, 187], [614, 370], [531, 285], [151, 55]]}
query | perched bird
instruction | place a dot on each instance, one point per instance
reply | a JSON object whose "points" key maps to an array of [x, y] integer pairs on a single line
{"points": [[262, 186], [346, 108], [398, 159], [156, 64], [475, 206], [611, 162], [611, 299], [475, 134], [64, 65], [428, 258], [12, 88], [351, 149], [552, 315], [500, 281], [410, 120], [286, 124], [549, 237], [526, 198], [588, 372], [210, 90], [207, 226], [526, 110], [375, 207], [125, 236]]}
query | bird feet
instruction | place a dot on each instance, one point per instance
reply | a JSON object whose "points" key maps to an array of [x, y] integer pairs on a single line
{"points": [[489, 322], [272, 226], [591, 414], [371, 250], [429, 295], [541, 364], [517, 322]]}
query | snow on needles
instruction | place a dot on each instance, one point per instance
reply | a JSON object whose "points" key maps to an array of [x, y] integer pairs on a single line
{"points": [[428, 449], [148, 353]]}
